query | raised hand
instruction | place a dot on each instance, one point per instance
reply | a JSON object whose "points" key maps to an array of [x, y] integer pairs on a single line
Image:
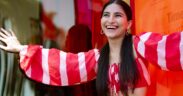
{"points": [[10, 40]]}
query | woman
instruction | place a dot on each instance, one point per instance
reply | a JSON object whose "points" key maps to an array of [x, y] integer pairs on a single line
{"points": [[120, 70], [118, 52]]}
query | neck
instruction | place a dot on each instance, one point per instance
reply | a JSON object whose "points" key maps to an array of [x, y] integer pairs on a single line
{"points": [[115, 47]]}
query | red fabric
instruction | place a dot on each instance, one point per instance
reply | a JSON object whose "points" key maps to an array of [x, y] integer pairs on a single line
{"points": [[89, 13], [37, 72], [83, 12], [133, 27], [163, 83], [98, 40], [78, 40], [30, 62], [172, 48], [142, 44], [53, 65], [114, 77], [149, 50], [144, 79], [73, 68], [73, 76], [89, 66]]}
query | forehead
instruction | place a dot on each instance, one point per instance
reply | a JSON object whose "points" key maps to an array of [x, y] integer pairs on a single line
{"points": [[114, 8]]}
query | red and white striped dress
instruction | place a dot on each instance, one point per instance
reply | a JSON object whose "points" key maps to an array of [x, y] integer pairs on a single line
{"points": [[55, 67]]}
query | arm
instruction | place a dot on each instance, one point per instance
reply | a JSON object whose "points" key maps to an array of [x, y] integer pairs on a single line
{"points": [[52, 66], [138, 91], [55, 67], [163, 51]]}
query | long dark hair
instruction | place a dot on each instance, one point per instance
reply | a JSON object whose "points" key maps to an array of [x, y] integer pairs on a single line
{"points": [[128, 74]]}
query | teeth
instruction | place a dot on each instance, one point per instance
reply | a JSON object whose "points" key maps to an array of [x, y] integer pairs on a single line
{"points": [[111, 26]]}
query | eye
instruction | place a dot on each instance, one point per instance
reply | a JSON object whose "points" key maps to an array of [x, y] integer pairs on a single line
{"points": [[105, 15], [118, 15]]}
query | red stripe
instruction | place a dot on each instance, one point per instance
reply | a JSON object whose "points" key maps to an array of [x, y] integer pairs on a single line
{"points": [[35, 55], [54, 66], [25, 65], [173, 52], [136, 39], [90, 64], [151, 48], [72, 68], [135, 42], [142, 81]]}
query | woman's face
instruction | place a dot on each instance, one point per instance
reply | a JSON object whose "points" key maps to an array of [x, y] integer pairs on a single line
{"points": [[114, 21]]}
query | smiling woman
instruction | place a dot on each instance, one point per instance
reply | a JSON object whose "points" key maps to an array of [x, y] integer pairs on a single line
{"points": [[118, 53], [114, 21]]}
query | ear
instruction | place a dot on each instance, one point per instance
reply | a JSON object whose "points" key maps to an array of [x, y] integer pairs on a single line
{"points": [[129, 24]]}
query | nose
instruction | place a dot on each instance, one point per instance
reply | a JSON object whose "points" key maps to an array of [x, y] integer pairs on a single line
{"points": [[111, 19]]}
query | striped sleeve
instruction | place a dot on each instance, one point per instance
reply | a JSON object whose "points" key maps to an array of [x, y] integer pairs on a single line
{"points": [[144, 78], [165, 51], [58, 68]]}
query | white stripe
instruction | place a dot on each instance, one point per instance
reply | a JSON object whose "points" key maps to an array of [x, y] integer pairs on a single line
{"points": [[141, 44], [96, 58], [23, 52], [28, 72], [161, 53], [145, 72], [181, 50], [82, 67], [96, 54], [63, 69], [46, 76]]}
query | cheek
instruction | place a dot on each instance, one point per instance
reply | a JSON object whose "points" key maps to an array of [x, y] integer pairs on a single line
{"points": [[102, 23], [124, 24]]}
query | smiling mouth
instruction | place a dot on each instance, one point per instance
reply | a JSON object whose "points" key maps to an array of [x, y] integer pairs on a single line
{"points": [[111, 27]]}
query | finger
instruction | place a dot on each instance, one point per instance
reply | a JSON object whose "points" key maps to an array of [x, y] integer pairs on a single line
{"points": [[1, 39], [3, 47], [5, 32], [12, 33], [3, 35]]}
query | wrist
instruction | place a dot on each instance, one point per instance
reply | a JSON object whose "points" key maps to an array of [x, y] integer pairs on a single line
{"points": [[19, 48]]}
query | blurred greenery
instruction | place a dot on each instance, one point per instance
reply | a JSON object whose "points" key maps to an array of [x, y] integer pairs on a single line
{"points": [[17, 15], [12, 81]]}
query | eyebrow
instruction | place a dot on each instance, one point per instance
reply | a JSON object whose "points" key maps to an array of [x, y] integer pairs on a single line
{"points": [[115, 12], [119, 13], [105, 12]]}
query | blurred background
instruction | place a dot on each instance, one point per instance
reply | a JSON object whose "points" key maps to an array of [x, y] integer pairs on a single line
{"points": [[49, 23]]}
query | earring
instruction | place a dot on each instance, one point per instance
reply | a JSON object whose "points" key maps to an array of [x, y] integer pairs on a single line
{"points": [[101, 32], [127, 32]]}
